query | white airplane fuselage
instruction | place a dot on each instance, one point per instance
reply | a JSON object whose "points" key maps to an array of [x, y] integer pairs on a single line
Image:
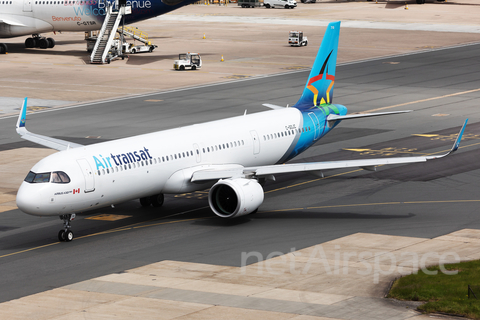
{"points": [[163, 162], [26, 17]]}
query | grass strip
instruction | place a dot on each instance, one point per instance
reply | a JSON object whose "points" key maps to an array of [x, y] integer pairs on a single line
{"points": [[443, 292]]}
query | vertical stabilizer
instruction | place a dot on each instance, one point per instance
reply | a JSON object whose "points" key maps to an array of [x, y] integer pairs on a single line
{"points": [[319, 87]]}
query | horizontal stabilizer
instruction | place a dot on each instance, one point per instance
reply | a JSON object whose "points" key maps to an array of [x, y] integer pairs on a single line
{"points": [[49, 142], [335, 117], [272, 106]]}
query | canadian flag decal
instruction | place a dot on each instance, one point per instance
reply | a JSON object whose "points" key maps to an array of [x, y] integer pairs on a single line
{"points": [[76, 190]]}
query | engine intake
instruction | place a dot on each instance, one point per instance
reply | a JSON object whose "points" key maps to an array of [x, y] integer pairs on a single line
{"points": [[235, 197]]}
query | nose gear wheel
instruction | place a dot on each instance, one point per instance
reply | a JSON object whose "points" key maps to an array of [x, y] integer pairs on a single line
{"points": [[66, 235]]}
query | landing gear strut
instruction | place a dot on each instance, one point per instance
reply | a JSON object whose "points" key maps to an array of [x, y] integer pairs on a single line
{"points": [[66, 235]]}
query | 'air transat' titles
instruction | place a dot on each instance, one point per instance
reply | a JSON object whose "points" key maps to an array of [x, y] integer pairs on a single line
{"points": [[122, 158]]}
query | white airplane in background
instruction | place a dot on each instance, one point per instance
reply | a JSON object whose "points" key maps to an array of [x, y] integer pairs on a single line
{"points": [[233, 156], [32, 17]]}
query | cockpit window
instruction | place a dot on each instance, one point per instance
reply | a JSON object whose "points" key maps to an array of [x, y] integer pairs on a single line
{"points": [[30, 177], [33, 177], [57, 177], [42, 177], [60, 177]]}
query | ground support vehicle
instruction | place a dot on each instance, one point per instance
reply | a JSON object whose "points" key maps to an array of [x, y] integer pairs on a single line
{"points": [[287, 4], [131, 48], [297, 39], [188, 60], [249, 3]]}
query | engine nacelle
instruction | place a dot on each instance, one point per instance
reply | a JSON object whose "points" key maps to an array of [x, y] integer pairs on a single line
{"points": [[235, 197]]}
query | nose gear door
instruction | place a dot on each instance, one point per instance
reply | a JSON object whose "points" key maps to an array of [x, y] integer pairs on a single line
{"points": [[87, 174]]}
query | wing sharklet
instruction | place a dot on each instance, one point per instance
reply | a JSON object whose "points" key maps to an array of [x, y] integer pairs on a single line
{"points": [[49, 142], [455, 146]]}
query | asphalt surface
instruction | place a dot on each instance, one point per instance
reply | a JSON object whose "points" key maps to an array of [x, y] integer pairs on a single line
{"points": [[300, 210]]}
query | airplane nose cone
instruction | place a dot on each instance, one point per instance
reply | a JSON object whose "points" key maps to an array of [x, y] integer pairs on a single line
{"points": [[27, 199]]}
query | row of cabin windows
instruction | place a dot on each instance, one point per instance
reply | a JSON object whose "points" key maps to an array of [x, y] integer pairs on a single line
{"points": [[276, 135], [6, 2], [167, 158], [223, 146]]}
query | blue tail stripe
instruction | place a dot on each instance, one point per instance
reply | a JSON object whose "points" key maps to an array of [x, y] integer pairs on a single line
{"points": [[319, 87]]}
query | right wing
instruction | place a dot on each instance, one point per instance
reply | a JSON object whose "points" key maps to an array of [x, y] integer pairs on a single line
{"points": [[53, 143], [264, 171]]}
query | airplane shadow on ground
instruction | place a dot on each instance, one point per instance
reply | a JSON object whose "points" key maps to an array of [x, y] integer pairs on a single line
{"points": [[133, 59], [220, 222], [20, 48]]}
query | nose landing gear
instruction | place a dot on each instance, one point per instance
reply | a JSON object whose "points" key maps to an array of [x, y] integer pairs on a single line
{"points": [[66, 235]]}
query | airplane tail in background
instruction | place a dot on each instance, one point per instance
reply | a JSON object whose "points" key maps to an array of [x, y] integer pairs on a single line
{"points": [[319, 87]]}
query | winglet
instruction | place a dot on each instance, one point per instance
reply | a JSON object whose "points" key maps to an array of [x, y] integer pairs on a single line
{"points": [[455, 145], [49, 142], [459, 137], [22, 117]]}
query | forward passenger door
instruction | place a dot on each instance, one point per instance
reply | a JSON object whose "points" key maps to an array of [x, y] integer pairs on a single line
{"points": [[87, 175]]}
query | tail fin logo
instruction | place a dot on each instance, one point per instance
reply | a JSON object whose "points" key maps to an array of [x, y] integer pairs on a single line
{"points": [[312, 80]]}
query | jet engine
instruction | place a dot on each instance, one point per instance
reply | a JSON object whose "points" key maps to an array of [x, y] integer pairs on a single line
{"points": [[235, 197]]}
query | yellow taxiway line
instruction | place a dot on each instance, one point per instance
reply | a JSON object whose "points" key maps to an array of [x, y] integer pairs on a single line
{"points": [[422, 100]]}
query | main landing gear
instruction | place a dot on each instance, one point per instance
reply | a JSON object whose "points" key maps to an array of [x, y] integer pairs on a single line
{"points": [[37, 41], [155, 200], [66, 235]]}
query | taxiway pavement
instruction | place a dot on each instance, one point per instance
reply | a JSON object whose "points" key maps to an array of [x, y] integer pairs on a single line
{"points": [[418, 200], [422, 201]]}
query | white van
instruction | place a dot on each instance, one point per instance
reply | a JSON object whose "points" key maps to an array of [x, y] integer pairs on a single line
{"points": [[287, 4]]}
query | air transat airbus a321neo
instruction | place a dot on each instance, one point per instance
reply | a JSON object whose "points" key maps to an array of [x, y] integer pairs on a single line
{"points": [[32, 17], [233, 156]]}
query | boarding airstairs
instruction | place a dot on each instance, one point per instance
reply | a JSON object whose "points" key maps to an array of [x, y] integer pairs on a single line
{"points": [[106, 36]]}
